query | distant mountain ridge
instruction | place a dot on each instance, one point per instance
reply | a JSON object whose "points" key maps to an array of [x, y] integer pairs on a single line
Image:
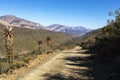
{"points": [[23, 23], [13, 20], [67, 29]]}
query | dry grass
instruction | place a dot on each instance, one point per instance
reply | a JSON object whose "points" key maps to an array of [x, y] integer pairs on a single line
{"points": [[18, 73]]}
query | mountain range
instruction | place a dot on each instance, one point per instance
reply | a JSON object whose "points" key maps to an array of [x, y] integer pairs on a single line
{"points": [[23, 23], [67, 29]]}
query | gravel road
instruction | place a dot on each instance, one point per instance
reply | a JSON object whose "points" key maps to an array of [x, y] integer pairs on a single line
{"points": [[67, 65]]}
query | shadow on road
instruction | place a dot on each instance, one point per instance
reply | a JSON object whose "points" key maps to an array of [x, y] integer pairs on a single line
{"points": [[80, 69], [59, 76]]}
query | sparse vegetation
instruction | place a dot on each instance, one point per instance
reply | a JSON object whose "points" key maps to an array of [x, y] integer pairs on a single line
{"points": [[105, 47], [106, 43], [28, 44]]}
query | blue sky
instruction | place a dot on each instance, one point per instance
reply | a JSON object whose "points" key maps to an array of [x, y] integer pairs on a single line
{"points": [[88, 13]]}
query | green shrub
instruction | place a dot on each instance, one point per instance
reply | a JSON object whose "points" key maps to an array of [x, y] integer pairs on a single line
{"points": [[4, 67]]}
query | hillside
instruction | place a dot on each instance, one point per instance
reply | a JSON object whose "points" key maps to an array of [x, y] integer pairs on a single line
{"points": [[88, 36], [26, 40], [105, 50], [106, 41]]}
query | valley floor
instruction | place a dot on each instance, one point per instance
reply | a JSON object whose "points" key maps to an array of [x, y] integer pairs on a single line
{"points": [[67, 65]]}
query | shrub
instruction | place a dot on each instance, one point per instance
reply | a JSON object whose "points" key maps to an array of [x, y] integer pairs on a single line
{"points": [[4, 67]]}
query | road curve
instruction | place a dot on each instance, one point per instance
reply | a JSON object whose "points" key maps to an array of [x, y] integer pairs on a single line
{"points": [[67, 65]]}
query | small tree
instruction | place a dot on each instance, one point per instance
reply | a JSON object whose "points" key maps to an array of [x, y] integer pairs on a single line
{"points": [[39, 43], [40, 46], [49, 43]]}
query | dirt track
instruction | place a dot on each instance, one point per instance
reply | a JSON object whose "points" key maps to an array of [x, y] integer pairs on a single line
{"points": [[67, 65]]}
